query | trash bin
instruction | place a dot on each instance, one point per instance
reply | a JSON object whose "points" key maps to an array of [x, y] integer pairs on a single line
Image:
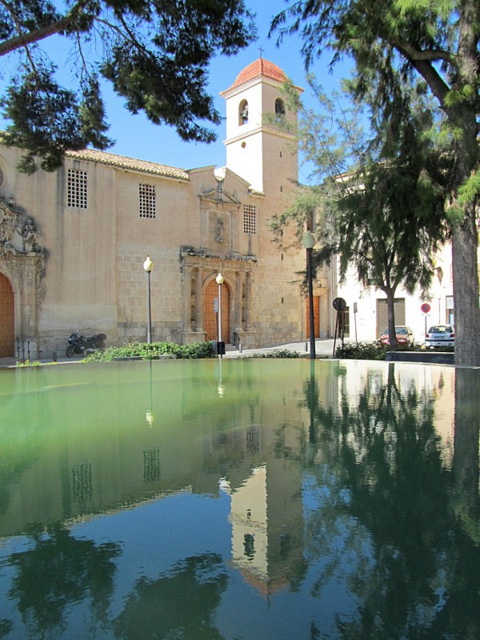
{"points": [[218, 347]]}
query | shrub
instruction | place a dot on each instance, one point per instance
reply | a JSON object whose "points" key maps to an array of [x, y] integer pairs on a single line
{"points": [[371, 350], [362, 351], [32, 363], [277, 353], [153, 351]]}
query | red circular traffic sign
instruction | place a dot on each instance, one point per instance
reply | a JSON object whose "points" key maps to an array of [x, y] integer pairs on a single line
{"points": [[425, 307]]}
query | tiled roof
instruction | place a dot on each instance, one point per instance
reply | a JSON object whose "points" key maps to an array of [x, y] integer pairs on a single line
{"points": [[260, 67], [122, 162]]}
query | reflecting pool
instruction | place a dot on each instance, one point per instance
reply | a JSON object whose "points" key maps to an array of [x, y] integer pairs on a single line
{"points": [[250, 499]]}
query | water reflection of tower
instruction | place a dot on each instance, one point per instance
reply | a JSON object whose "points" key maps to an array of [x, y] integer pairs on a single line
{"points": [[267, 521]]}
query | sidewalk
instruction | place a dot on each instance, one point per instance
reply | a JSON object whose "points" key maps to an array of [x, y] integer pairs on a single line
{"points": [[323, 348]]}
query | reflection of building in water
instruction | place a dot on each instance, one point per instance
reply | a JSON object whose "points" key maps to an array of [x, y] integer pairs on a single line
{"points": [[428, 383], [248, 516], [267, 525]]}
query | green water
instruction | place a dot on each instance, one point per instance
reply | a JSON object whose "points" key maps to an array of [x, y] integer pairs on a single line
{"points": [[240, 500]]}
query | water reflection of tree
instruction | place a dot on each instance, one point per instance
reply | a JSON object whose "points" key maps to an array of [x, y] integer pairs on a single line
{"points": [[179, 604], [56, 573], [413, 524]]}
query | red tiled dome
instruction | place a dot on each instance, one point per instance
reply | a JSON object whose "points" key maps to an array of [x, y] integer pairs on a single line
{"points": [[260, 67]]}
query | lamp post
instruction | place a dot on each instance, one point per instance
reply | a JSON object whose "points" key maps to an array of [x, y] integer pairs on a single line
{"points": [[220, 281], [308, 242], [148, 266]]}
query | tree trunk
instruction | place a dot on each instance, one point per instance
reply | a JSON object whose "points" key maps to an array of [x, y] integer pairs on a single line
{"points": [[462, 116], [391, 317], [466, 291]]}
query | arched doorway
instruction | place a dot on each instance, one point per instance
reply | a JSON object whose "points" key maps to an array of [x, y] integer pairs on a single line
{"points": [[7, 319], [210, 311]]}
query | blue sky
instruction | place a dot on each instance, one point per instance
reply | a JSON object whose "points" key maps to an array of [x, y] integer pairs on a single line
{"points": [[136, 137]]}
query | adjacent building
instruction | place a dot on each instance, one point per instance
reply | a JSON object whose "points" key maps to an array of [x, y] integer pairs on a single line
{"points": [[366, 317]]}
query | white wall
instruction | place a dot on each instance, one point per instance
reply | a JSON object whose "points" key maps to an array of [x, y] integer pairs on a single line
{"points": [[366, 299]]}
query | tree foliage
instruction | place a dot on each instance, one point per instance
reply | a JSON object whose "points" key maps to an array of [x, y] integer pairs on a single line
{"points": [[155, 54], [384, 217], [438, 42]]}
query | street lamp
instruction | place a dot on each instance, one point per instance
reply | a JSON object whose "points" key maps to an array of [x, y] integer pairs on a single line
{"points": [[220, 346], [148, 266], [308, 242]]}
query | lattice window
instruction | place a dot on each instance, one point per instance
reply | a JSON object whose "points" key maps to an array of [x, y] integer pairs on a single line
{"points": [[151, 465], [253, 440], [77, 188], [82, 483], [147, 201], [249, 219]]}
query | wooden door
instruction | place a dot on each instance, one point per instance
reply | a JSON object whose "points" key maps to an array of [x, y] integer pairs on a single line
{"points": [[7, 324], [211, 312]]}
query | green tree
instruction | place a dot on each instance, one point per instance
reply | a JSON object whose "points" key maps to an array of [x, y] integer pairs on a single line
{"points": [[384, 217], [154, 53], [439, 42], [377, 234]]}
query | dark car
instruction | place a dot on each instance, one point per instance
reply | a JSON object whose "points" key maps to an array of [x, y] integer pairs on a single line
{"points": [[440, 335], [404, 335]]}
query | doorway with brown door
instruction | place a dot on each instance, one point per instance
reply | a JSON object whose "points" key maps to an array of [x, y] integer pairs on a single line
{"points": [[211, 308], [7, 319]]}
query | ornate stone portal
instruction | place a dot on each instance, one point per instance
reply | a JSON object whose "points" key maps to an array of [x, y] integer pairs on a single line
{"points": [[200, 265], [22, 262], [198, 270]]}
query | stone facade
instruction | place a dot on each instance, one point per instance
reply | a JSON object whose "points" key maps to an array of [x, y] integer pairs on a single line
{"points": [[73, 242]]}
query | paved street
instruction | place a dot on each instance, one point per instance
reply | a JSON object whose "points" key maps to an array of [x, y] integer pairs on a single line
{"points": [[322, 348]]}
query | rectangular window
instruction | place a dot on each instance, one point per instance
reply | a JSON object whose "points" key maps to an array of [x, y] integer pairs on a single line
{"points": [[146, 201], [249, 219], [77, 188]]}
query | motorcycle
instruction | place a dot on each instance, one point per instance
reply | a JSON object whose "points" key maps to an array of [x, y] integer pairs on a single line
{"points": [[82, 345]]}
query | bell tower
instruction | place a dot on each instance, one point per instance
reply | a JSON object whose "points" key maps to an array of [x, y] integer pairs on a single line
{"points": [[258, 150]]}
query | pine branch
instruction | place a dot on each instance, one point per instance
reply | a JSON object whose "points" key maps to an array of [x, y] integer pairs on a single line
{"points": [[422, 62], [25, 39]]}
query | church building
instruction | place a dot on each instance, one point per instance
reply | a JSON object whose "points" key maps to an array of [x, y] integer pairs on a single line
{"points": [[73, 242]]}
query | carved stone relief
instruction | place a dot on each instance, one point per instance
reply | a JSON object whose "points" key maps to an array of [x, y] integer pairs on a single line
{"points": [[219, 232], [18, 232], [218, 209], [22, 262]]}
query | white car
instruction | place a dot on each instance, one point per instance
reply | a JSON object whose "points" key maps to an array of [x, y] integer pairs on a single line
{"points": [[440, 335]]}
